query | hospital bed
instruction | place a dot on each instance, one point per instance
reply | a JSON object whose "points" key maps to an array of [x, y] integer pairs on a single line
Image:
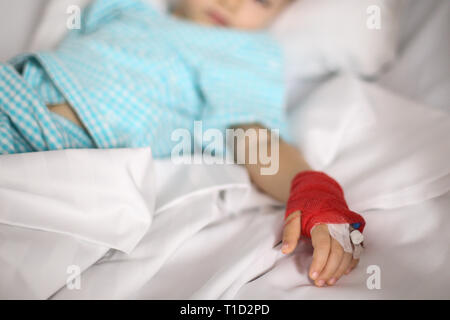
{"points": [[118, 224]]}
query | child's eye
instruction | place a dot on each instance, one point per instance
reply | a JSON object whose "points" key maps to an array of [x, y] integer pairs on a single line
{"points": [[264, 3]]}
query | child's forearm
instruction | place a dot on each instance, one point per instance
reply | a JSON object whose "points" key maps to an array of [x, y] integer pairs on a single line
{"points": [[290, 160]]}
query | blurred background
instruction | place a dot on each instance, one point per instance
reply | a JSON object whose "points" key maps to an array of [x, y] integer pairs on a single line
{"points": [[18, 21]]}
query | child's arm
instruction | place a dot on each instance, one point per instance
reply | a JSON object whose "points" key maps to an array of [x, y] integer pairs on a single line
{"points": [[291, 162], [330, 261], [67, 112]]}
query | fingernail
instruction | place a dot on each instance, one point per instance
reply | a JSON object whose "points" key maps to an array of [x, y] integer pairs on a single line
{"points": [[348, 271], [332, 281], [284, 247], [320, 283], [314, 275]]}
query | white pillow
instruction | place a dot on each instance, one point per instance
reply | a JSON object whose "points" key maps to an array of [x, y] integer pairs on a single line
{"points": [[386, 150], [324, 36]]}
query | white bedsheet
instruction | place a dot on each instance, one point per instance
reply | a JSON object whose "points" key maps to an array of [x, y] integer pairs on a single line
{"points": [[422, 72], [214, 240], [212, 231], [386, 150], [235, 257], [207, 228]]}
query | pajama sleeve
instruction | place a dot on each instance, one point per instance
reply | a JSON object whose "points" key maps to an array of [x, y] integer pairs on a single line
{"points": [[245, 85], [101, 12]]}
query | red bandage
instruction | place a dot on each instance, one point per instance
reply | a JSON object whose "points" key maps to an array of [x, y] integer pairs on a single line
{"points": [[320, 199]]}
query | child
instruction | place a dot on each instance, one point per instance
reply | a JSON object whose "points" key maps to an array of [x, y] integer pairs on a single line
{"points": [[131, 76]]}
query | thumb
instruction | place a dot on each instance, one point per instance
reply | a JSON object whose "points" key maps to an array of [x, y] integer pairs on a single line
{"points": [[291, 232]]}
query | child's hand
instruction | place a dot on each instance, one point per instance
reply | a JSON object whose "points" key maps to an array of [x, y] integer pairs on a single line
{"points": [[330, 261]]}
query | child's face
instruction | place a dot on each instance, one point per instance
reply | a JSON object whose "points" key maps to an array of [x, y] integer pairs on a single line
{"points": [[240, 14]]}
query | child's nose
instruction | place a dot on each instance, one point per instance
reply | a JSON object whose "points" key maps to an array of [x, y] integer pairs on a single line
{"points": [[231, 5]]}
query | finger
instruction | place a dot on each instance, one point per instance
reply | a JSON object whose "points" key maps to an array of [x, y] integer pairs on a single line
{"points": [[345, 264], [291, 232], [321, 244], [352, 266], [333, 262]]}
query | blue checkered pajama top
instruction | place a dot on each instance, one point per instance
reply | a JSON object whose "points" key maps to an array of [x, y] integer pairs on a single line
{"points": [[133, 75]]}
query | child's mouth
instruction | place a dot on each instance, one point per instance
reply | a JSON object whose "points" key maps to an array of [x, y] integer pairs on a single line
{"points": [[217, 18]]}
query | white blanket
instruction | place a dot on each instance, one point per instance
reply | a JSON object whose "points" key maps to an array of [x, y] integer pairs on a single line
{"points": [[386, 150], [142, 228]]}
